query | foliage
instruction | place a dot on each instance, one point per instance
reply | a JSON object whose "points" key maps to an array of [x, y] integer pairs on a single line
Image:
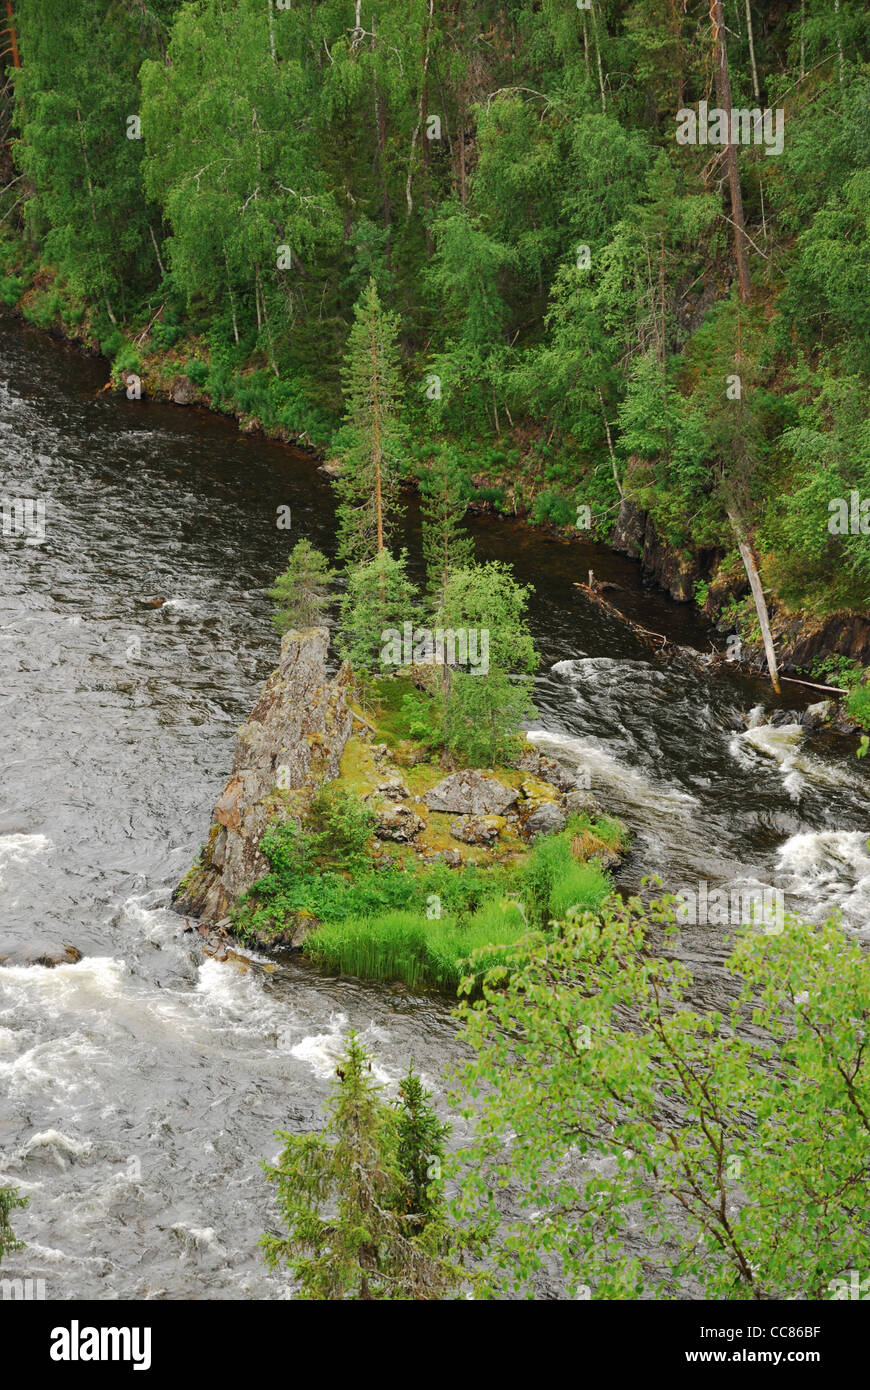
{"points": [[741, 1149], [9, 1200], [379, 598]]}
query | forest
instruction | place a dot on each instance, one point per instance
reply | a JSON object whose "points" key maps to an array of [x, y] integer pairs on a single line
{"points": [[595, 294]]}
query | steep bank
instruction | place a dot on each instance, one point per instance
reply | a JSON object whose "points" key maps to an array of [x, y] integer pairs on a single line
{"points": [[801, 639]]}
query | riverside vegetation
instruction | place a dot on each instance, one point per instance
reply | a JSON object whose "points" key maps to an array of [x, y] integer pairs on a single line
{"points": [[588, 310]]}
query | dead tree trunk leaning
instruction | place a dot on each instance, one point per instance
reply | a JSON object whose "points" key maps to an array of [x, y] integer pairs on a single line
{"points": [[754, 578]]}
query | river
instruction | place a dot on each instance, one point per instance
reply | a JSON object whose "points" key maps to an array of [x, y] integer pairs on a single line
{"points": [[141, 1087]]}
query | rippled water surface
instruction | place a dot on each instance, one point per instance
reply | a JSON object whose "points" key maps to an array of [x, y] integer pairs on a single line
{"points": [[141, 1087]]}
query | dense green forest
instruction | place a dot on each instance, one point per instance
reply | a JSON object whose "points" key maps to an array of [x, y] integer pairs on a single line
{"points": [[586, 304]]}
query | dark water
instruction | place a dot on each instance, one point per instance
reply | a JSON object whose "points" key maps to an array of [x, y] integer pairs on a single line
{"points": [[140, 1088]]}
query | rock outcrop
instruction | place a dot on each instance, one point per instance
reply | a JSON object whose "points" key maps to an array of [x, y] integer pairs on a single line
{"points": [[544, 820], [291, 744], [635, 535]]}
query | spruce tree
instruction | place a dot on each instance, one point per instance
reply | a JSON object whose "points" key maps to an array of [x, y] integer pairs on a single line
{"points": [[446, 544], [344, 1198], [301, 593], [420, 1152], [368, 488]]}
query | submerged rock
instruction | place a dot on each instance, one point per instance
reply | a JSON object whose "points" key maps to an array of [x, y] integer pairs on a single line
{"points": [[45, 954], [291, 744], [471, 794]]}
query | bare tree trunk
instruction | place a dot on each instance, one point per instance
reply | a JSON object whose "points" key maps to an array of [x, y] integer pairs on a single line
{"points": [[723, 96], [755, 87], [598, 60], [754, 578], [421, 110], [232, 299], [610, 448], [156, 249], [13, 38], [839, 41]]}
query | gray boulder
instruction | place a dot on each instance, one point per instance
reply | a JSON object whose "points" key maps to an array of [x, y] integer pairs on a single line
{"points": [[471, 794], [545, 820], [477, 830], [580, 802], [397, 822]]}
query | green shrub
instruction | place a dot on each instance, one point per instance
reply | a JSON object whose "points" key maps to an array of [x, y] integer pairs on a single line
{"points": [[12, 287], [44, 309], [858, 705], [552, 507], [166, 334], [196, 371]]}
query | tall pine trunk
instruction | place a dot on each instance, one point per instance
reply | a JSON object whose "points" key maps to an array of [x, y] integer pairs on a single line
{"points": [[723, 96]]}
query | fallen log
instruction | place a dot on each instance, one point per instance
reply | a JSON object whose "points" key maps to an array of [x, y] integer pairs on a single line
{"points": [[592, 593]]}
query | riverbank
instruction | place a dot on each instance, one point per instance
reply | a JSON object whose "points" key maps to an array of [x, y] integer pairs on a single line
{"points": [[165, 361]]}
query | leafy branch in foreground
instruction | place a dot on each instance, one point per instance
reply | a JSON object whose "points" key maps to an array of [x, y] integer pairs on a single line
{"points": [[738, 1140], [9, 1199]]}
